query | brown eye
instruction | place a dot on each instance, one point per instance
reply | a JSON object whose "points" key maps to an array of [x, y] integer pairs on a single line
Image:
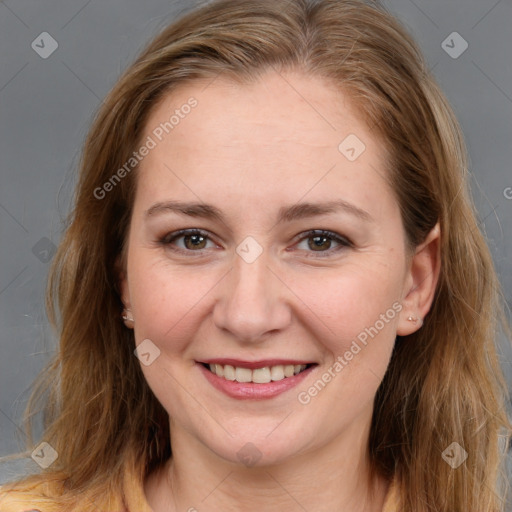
{"points": [[194, 241], [321, 241], [187, 240]]}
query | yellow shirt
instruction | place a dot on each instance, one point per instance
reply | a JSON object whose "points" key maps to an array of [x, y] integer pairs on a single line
{"points": [[43, 497]]}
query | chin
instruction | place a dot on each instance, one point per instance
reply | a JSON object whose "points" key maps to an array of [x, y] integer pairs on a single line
{"points": [[254, 449]]}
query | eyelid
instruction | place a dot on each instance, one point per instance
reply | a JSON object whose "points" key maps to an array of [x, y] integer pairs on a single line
{"points": [[175, 235], [325, 232], [183, 232], [343, 241]]}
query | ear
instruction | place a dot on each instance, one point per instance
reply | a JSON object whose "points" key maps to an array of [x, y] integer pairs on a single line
{"points": [[420, 283]]}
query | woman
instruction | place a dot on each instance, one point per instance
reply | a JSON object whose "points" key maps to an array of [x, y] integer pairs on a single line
{"points": [[273, 292]]}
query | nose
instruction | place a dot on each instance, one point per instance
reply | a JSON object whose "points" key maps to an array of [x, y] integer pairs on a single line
{"points": [[253, 301]]}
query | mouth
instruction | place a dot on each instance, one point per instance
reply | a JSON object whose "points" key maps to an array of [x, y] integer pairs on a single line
{"points": [[261, 375], [254, 380]]}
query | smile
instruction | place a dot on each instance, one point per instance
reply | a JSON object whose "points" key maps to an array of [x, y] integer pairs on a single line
{"points": [[260, 380], [258, 375]]}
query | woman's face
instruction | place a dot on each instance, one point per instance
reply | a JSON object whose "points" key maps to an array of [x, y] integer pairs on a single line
{"points": [[257, 168]]}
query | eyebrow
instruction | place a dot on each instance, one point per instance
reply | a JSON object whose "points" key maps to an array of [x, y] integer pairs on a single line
{"points": [[286, 213]]}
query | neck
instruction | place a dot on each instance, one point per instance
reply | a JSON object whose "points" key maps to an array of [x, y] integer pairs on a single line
{"points": [[334, 477]]}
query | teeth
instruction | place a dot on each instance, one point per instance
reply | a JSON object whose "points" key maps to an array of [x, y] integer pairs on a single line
{"points": [[261, 375], [243, 375], [219, 370], [277, 372], [229, 372], [258, 375], [288, 370]]}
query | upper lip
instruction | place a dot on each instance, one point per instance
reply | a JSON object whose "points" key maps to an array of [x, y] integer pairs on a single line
{"points": [[255, 364]]}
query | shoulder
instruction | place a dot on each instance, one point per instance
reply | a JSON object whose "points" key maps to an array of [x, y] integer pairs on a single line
{"points": [[28, 495], [391, 501], [37, 494]]}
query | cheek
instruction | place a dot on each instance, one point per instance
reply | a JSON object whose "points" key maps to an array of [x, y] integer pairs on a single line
{"points": [[355, 321], [347, 300], [166, 301], [337, 304]]}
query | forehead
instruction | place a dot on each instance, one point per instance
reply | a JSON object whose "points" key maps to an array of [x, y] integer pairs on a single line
{"points": [[288, 131], [269, 107]]}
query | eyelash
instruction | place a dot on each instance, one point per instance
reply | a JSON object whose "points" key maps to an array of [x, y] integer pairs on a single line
{"points": [[344, 242]]}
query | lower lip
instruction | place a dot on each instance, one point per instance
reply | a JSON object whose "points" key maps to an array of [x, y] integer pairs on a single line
{"points": [[250, 390]]}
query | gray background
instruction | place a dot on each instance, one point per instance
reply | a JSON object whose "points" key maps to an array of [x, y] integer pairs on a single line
{"points": [[46, 106]]}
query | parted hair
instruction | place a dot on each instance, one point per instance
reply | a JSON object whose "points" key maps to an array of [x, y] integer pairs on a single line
{"points": [[443, 383]]}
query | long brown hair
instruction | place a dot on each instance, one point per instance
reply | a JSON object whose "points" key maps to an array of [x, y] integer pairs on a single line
{"points": [[443, 384]]}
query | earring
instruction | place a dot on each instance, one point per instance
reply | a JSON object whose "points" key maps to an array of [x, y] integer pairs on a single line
{"points": [[415, 319], [128, 318]]}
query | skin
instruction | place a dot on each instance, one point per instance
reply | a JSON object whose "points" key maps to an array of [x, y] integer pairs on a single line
{"points": [[250, 150]]}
